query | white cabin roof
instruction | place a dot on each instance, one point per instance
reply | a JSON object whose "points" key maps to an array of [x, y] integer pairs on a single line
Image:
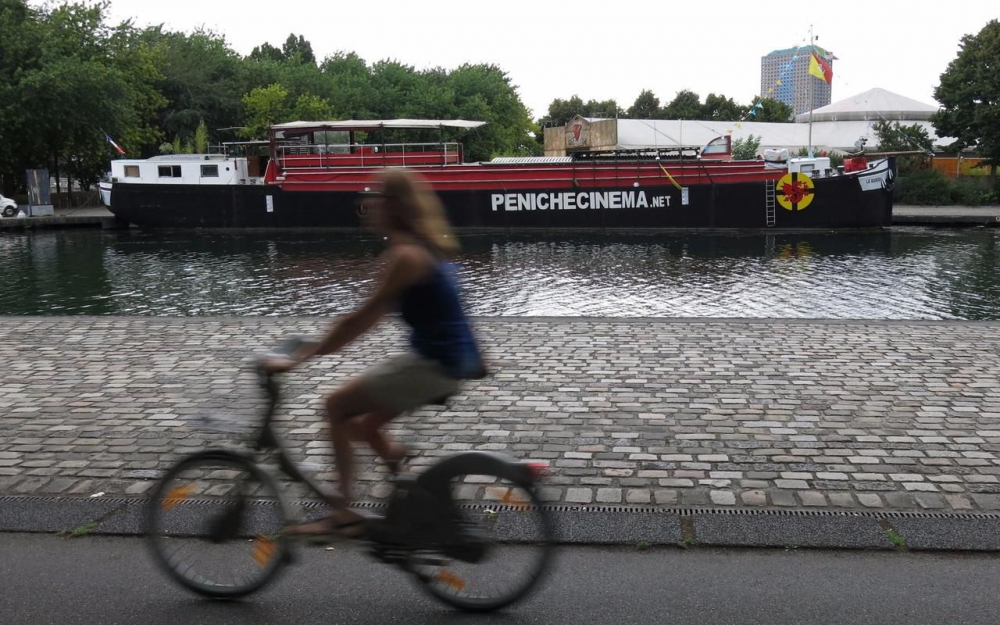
{"points": [[376, 124]]}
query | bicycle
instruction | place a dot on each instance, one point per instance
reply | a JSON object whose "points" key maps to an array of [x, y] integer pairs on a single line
{"points": [[224, 510]]}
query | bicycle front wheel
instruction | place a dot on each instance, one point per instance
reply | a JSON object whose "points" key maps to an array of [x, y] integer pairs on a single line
{"points": [[502, 536], [214, 525]]}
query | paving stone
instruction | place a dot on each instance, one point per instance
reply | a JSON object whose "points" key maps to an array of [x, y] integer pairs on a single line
{"points": [[870, 500], [783, 498], [753, 498], [609, 495], [791, 484], [665, 497], [812, 498], [987, 502], [842, 500], [579, 495], [722, 497], [868, 420], [637, 496], [930, 501]]}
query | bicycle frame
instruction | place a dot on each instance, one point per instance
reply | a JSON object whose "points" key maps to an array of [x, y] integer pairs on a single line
{"points": [[420, 493], [268, 440]]}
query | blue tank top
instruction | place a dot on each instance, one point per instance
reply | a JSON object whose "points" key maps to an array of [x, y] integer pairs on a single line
{"points": [[439, 328]]}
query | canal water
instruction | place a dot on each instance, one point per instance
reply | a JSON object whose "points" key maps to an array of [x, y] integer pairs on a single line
{"points": [[895, 274]]}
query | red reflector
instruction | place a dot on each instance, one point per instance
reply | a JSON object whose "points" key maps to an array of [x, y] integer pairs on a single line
{"points": [[539, 469]]}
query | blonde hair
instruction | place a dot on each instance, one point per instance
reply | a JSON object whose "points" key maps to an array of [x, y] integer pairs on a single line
{"points": [[413, 207]]}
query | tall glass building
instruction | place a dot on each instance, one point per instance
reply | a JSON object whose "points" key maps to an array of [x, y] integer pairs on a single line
{"points": [[795, 80]]}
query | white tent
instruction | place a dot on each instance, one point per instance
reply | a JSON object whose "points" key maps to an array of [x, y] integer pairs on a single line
{"points": [[837, 126], [872, 105], [841, 135]]}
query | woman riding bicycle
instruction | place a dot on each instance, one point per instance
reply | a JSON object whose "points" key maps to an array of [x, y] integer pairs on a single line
{"points": [[419, 283]]}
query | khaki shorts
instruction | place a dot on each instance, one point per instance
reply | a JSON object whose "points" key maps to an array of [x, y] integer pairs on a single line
{"points": [[407, 381]]}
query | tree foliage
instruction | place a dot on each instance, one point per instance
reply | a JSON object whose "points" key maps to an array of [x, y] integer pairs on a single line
{"points": [[893, 136], [721, 108], [646, 106], [745, 148], [561, 111], [201, 139], [685, 105], [67, 76], [969, 94], [771, 110]]}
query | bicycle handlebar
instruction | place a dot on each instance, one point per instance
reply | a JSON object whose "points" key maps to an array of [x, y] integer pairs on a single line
{"points": [[287, 349]]}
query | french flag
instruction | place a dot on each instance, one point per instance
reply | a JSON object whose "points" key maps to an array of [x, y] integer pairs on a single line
{"points": [[116, 146]]}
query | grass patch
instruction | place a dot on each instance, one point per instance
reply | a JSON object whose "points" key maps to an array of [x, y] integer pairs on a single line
{"points": [[895, 537], [83, 530]]}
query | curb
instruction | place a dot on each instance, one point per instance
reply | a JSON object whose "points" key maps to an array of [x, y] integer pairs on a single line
{"points": [[601, 525]]}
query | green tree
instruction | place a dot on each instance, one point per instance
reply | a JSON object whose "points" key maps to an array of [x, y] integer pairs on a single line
{"points": [[969, 94], [138, 60], [685, 105], [745, 149], [265, 107], [770, 110], [646, 106], [721, 108], [892, 137], [298, 50], [561, 111], [66, 78], [266, 52], [311, 108], [203, 78], [604, 109], [350, 88], [201, 139], [485, 92]]}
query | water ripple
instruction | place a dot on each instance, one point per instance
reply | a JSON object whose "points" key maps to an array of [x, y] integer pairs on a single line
{"points": [[898, 274]]}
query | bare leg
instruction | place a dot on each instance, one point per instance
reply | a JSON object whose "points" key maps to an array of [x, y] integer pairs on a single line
{"points": [[348, 411], [370, 427]]}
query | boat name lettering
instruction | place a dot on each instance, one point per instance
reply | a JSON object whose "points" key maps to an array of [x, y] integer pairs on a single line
{"points": [[576, 200]]}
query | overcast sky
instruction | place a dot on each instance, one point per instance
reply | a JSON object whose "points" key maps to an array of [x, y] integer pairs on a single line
{"points": [[606, 49]]}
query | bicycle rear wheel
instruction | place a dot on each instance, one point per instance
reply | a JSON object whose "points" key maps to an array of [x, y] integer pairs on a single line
{"points": [[214, 524], [503, 541]]}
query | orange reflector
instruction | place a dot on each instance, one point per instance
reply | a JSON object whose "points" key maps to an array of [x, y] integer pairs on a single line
{"points": [[263, 550], [450, 578], [512, 500], [177, 495]]}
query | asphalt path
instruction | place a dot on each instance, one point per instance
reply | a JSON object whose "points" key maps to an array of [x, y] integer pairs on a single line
{"points": [[108, 580]]}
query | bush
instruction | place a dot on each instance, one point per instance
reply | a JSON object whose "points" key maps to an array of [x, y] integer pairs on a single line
{"points": [[928, 187], [966, 193], [746, 149]]}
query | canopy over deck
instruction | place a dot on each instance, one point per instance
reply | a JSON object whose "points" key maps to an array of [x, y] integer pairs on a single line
{"points": [[368, 125]]}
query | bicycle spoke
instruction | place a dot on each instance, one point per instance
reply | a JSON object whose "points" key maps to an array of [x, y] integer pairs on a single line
{"points": [[221, 543]]}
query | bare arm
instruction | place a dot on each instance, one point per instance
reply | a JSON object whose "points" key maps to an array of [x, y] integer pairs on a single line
{"points": [[405, 266]]}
